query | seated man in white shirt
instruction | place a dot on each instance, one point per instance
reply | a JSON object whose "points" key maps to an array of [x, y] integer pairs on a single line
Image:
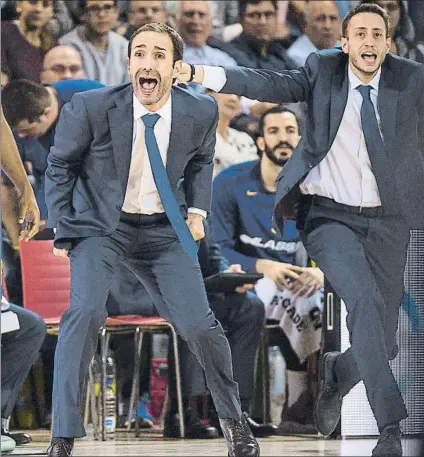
{"points": [[194, 21], [322, 31]]}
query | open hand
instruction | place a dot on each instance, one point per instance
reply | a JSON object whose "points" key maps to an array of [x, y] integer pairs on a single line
{"points": [[311, 280]]}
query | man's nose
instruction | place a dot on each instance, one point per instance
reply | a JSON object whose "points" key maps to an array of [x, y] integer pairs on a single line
{"points": [[67, 74], [38, 6]]}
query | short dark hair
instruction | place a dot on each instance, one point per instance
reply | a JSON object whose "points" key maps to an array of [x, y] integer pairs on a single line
{"points": [[274, 110], [243, 4], [24, 100], [365, 8], [177, 41], [83, 4]]}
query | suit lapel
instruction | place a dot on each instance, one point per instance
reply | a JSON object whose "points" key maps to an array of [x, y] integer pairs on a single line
{"points": [[339, 92], [121, 123], [181, 132], [387, 103]]}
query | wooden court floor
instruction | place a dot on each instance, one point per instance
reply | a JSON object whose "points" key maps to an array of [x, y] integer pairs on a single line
{"points": [[152, 444]]}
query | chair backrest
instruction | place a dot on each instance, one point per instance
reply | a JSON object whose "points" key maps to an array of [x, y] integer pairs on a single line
{"points": [[46, 279]]}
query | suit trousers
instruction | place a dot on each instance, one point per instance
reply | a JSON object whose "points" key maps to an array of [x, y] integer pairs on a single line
{"points": [[149, 247], [364, 260], [242, 316], [19, 350]]}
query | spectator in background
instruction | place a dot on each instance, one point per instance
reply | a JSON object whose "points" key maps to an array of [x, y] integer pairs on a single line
{"points": [[60, 63], [194, 19], [103, 51], [32, 111], [143, 12], [232, 146], [256, 47], [322, 31], [401, 30], [61, 22], [25, 41], [416, 12], [226, 13], [242, 208]]}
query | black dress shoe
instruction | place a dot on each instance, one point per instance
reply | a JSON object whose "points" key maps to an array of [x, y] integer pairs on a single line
{"points": [[61, 447], [389, 444], [260, 430], [239, 437], [18, 438], [328, 406], [193, 427]]}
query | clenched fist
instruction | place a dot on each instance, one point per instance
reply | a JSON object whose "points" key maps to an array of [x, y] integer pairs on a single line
{"points": [[195, 225]]}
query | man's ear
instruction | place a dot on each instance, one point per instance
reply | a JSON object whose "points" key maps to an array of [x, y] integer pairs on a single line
{"points": [[177, 68], [46, 111], [260, 143], [345, 44]]}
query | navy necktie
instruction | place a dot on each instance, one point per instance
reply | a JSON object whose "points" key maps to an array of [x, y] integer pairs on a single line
{"points": [[377, 152], [163, 186]]}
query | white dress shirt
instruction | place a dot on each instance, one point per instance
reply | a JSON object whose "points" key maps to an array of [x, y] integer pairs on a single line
{"points": [[142, 195], [345, 174]]}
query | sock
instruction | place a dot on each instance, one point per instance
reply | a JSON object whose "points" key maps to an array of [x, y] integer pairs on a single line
{"points": [[297, 383], [5, 424], [173, 407], [245, 404]]}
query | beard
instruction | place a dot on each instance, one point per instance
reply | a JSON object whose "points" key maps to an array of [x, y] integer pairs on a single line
{"points": [[272, 155]]}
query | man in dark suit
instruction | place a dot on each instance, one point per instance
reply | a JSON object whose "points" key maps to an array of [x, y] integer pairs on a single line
{"points": [[359, 174], [111, 199]]}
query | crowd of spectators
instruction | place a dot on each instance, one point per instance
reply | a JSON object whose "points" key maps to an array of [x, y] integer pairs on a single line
{"points": [[54, 48]]}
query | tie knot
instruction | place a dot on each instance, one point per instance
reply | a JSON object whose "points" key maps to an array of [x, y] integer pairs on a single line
{"points": [[150, 120], [365, 92]]}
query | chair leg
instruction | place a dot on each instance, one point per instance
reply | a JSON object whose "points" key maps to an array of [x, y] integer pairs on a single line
{"points": [[164, 408], [103, 351], [88, 396], [178, 378], [138, 341]]}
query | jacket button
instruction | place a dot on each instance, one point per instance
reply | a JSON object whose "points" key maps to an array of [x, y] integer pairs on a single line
{"points": [[311, 165], [119, 207]]}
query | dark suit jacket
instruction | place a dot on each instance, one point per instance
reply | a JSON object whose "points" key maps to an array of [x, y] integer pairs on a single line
{"points": [[88, 165], [323, 84]]}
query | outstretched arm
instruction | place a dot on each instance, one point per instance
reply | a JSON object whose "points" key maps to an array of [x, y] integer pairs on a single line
{"points": [[287, 86]]}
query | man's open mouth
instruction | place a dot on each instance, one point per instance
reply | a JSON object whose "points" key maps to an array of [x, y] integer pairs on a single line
{"points": [[148, 85], [369, 57]]}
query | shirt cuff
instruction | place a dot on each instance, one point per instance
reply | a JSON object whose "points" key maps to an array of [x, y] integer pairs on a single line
{"points": [[214, 78], [201, 212]]}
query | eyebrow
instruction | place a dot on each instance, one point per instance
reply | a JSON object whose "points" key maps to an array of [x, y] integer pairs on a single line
{"points": [[156, 47], [365, 28]]}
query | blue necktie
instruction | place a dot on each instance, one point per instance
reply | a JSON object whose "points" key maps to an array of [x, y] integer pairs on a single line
{"points": [[377, 153], [167, 197]]}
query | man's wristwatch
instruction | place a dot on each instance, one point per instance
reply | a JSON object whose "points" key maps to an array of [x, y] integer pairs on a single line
{"points": [[193, 73]]}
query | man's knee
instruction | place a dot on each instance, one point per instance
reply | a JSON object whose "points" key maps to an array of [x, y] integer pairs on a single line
{"points": [[196, 329], [39, 330], [252, 311], [392, 351]]}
